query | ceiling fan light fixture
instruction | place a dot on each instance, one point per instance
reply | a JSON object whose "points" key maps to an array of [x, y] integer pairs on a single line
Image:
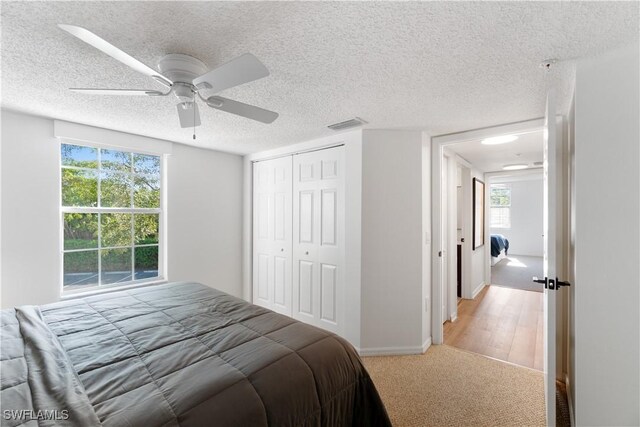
{"points": [[496, 140], [183, 91], [515, 167]]}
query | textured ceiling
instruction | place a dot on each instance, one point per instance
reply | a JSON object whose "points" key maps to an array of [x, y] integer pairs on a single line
{"points": [[491, 158], [439, 66]]}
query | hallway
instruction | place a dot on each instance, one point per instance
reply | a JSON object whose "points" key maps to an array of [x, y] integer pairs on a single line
{"points": [[503, 323]]}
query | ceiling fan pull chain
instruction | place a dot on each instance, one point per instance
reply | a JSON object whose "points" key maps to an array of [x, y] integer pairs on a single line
{"points": [[194, 118]]}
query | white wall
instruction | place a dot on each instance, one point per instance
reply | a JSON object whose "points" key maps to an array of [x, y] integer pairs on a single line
{"points": [[204, 218], [204, 209], [392, 240], [478, 260], [30, 211], [606, 211], [525, 234]]}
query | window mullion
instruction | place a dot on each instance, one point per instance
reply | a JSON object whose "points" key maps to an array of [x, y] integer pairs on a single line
{"points": [[99, 204], [132, 205], [79, 209], [133, 248], [99, 249]]}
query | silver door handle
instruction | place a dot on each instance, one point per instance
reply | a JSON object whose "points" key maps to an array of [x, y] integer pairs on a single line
{"points": [[282, 250], [306, 253]]}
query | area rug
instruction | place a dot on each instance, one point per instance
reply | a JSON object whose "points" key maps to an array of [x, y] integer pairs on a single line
{"points": [[517, 271]]}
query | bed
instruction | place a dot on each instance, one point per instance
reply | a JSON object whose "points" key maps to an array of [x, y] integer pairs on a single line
{"points": [[499, 248], [177, 354]]}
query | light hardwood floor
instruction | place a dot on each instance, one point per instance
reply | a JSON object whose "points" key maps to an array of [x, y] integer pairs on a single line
{"points": [[503, 323]]}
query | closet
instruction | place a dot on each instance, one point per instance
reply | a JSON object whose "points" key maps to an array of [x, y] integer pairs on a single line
{"points": [[272, 234], [299, 236]]}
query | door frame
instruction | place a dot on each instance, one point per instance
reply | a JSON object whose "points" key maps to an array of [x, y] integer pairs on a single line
{"points": [[450, 298], [438, 144]]}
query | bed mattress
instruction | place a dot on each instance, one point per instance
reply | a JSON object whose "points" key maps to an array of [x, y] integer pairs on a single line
{"points": [[177, 354]]}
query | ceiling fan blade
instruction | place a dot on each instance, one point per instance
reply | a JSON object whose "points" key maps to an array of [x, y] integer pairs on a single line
{"points": [[243, 69], [106, 47], [125, 92], [188, 118], [241, 109]]}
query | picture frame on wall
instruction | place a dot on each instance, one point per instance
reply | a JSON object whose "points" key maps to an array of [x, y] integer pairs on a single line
{"points": [[478, 213]]}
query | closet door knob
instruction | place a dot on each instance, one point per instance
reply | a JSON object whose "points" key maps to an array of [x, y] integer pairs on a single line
{"points": [[306, 253], [282, 250]]}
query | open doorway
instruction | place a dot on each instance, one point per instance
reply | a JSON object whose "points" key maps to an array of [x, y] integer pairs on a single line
{"points": [[492, 213], [550, 322], [516, 228]]}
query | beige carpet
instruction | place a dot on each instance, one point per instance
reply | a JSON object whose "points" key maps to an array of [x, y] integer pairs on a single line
{"points": [[450, 387]]}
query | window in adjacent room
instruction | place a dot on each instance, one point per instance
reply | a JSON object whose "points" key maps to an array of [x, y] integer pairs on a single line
{"points": [[111, 217], [500, 196]]}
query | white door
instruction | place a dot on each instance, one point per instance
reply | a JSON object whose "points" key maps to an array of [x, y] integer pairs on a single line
{"points": [[444, 264], [272, 234], [550, 235], [318, 238]]}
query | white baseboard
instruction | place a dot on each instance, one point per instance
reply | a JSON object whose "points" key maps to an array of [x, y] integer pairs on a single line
{"points": [[454, 317], [395, 351], [477, 290], [568, 385]]}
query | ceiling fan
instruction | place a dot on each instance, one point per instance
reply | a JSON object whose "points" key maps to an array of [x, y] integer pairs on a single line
{"points": [[185, 77]]}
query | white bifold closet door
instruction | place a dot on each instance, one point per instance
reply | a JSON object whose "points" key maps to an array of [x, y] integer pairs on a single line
{"points": [[318, 238], [272, 234]]}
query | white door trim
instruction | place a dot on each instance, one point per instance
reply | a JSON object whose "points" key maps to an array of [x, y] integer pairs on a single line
{"points": [[438, 143]]}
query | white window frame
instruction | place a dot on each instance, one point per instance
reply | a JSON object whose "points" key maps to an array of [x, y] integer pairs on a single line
{"points": [[492, 206], [90, 289]]}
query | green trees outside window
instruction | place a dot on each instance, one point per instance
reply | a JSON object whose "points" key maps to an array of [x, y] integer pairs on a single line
{"points": [[111, 215]]}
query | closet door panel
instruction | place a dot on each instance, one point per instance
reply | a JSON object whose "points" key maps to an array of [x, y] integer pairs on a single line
{"points": [[328, 217], [305, 288], [304, 239], [319, 237], [263, 278], [328, 293], [280, 281], [272, 236], [305, 214]]}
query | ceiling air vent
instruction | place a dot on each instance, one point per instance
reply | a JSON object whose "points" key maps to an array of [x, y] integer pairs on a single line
{"points": [[357, 121]]}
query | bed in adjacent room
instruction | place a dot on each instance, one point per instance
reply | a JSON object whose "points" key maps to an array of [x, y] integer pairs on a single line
{"points": [[499, 248], [179, 354]]}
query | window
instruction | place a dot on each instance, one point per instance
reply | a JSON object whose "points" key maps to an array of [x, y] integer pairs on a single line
{"points": [[500, 195], [111, 216]]}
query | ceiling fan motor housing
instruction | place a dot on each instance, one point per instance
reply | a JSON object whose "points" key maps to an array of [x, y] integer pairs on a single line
{"points": [[181, 70]]}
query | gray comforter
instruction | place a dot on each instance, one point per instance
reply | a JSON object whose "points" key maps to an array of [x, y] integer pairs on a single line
{"points": [[177, 354]]}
